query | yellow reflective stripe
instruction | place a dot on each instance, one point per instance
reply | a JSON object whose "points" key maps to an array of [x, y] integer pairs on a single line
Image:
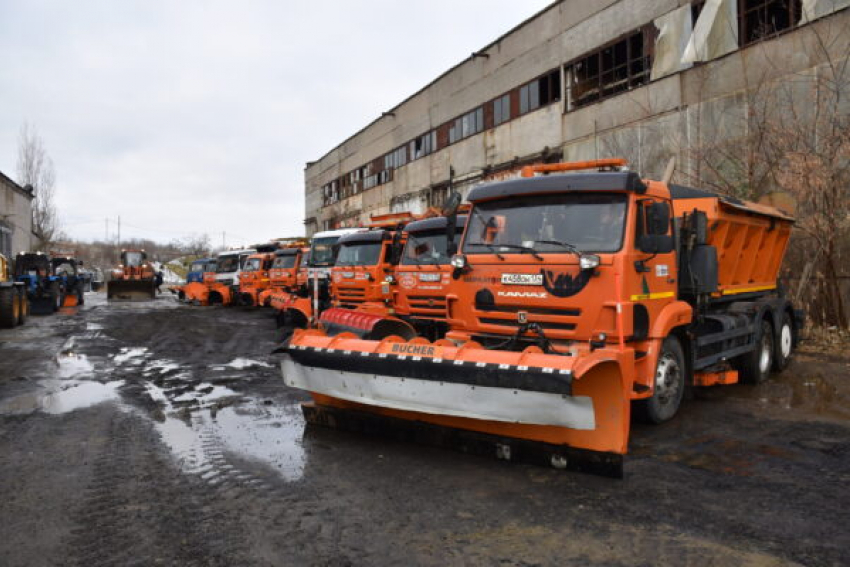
{"points": [[748, 289], [659, 295]]}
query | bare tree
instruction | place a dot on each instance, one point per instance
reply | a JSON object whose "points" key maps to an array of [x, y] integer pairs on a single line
{"points": [[35, 169]]}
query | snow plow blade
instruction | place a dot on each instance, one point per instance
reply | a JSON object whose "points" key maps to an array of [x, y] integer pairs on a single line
{"points": [[566, 405], [130, 290]]}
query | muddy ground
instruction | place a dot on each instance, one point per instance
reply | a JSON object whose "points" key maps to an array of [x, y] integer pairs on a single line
{"points": [[161, 434]]}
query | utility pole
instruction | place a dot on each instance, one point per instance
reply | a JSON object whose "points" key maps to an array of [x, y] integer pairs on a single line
{"points": [[119, 230]]}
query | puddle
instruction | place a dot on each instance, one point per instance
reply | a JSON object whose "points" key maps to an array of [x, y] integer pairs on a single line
{"points": [[80, 395], [58, 397], [268, 433], [72, 365], [126, 355], [816, 395], [242, 363]]}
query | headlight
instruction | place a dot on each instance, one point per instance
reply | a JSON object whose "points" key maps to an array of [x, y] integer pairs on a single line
{"points": [[589, 261], [459, 261], [390, 279]]}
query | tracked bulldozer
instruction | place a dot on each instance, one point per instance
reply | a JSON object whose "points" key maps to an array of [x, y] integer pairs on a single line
{"points": [[133, 279], [574, 298]]}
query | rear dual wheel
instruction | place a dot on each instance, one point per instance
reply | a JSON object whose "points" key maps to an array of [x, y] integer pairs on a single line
{"points": [[754, 367]]}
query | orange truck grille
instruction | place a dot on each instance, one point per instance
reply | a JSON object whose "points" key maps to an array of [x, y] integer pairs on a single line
{"points": [[428, 305]]}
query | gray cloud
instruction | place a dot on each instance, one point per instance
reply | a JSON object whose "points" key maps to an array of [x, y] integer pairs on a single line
{"points": [[198, 116]]}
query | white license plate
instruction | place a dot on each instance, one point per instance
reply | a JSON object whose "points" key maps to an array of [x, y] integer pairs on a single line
{"points": [[429, 277], [522, 279]]}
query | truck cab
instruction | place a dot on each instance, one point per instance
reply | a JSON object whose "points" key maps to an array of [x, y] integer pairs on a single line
{"points": [[254, 278], [197, 269], [283, 273], [363, 270], [423, 275], [229, 266]]}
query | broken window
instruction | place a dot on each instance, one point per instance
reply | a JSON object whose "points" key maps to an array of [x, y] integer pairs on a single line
{"points": [[615, 68], [501, 110], [423, 145], [540, 92], [759, 19]]}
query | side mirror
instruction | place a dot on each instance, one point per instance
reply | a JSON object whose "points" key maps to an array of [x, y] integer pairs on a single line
{"points": [[658, 219], [452, 204], [396, 248], [655, 243]]}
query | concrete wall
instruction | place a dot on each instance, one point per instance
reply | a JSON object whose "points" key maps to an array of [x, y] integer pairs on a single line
{"points": [[648, 125], [15, 214]]}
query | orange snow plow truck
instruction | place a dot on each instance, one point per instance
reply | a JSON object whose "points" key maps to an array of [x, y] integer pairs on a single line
{"points": [[574, 298]]}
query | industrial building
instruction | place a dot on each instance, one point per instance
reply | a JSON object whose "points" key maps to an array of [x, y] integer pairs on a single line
{"points": [[648, 80], [15, 217]]}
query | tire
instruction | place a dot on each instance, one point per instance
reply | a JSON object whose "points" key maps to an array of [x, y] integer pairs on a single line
{"points": [[784, 347], [56, 296], [8, 308], [24, 309], [670, 372], [754, 367], [81, 295]]}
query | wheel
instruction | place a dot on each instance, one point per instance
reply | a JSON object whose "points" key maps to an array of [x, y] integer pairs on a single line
{"points": [[754, 367], [785, 345], [8, 308], [81, 296], [670, 371]]}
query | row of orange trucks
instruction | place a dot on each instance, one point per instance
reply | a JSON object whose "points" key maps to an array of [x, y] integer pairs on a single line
{"points": [[533, 322]]}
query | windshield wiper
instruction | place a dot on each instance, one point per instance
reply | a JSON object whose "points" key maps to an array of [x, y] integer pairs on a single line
{"points": [[570, 248], [489, 246], [528, 249]]}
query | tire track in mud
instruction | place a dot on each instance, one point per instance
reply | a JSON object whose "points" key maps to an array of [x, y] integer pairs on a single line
{"points": [[139, 510]]}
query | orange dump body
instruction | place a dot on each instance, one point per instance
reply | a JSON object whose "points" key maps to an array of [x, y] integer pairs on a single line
{"points": [[750, 239]]}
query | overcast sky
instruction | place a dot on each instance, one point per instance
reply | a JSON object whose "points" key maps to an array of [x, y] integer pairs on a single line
{"points": [[197, 116]]}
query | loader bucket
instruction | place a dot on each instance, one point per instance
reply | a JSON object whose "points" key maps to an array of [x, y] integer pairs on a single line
{"points": [[130, 290], [566, 403]]}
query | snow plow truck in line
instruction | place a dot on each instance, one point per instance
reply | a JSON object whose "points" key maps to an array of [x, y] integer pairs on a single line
{"points": [[572, 299]]}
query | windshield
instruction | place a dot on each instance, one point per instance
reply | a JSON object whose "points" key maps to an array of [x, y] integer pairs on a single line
{"points": [[252, 265], [133, 259], [210, 267], [589, 222], [197, 267], [426, 248], [284, 261], [64, 268], [227, 264], [322, 251], [305, 260], [359, 254]]}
